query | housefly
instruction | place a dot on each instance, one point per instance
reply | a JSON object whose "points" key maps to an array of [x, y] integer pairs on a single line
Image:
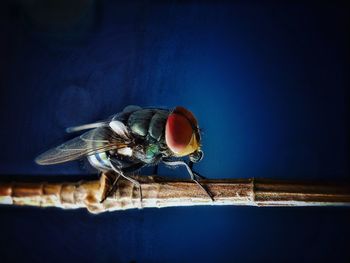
{"points": [[132, 139]]}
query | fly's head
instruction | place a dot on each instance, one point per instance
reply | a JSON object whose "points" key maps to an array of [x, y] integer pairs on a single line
{"points": [[182, 134]]}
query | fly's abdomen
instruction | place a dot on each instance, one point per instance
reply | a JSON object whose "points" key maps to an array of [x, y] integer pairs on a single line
{"points": [[100, 161]]}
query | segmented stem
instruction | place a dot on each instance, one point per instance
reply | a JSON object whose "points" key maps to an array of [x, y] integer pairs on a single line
{"points": [[165, 192]]}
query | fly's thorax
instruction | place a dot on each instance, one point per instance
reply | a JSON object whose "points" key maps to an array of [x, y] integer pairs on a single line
{"points": [[148, 128], [148, 150], [148, 123]]}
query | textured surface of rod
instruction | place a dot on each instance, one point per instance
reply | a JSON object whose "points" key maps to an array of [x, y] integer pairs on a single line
{"points": [[165, 192]]}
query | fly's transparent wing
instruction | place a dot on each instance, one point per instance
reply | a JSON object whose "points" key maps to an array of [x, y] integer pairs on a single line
{"points": [[87, 126], [101, 139], [119, 116]]}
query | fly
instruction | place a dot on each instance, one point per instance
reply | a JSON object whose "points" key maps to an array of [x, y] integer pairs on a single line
{"points": [[132, 139]]}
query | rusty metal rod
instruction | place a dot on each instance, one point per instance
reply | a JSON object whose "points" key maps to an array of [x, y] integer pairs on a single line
{"points": [[164, 192]]}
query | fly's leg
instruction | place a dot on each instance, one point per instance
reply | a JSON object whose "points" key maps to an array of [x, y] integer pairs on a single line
{"points": [[190, 164], [121, 173], [194, 176], [112, 189]]}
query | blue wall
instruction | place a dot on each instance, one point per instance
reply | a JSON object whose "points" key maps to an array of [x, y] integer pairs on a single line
{"points": [[268, 83]]}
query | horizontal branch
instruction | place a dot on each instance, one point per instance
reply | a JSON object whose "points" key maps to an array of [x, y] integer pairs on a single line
{"points": [[163, 192]]}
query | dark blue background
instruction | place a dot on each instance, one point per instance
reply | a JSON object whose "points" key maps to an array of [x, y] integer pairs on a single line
{"points": [[268, 83]]}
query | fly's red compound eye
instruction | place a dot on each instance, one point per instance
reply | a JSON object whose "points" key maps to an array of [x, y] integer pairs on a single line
{"points": [[189, 115], [181, 132], [178, 132]]}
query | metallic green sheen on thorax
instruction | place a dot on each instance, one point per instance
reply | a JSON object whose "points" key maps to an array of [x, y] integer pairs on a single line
{"points": [[149, 124]]}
